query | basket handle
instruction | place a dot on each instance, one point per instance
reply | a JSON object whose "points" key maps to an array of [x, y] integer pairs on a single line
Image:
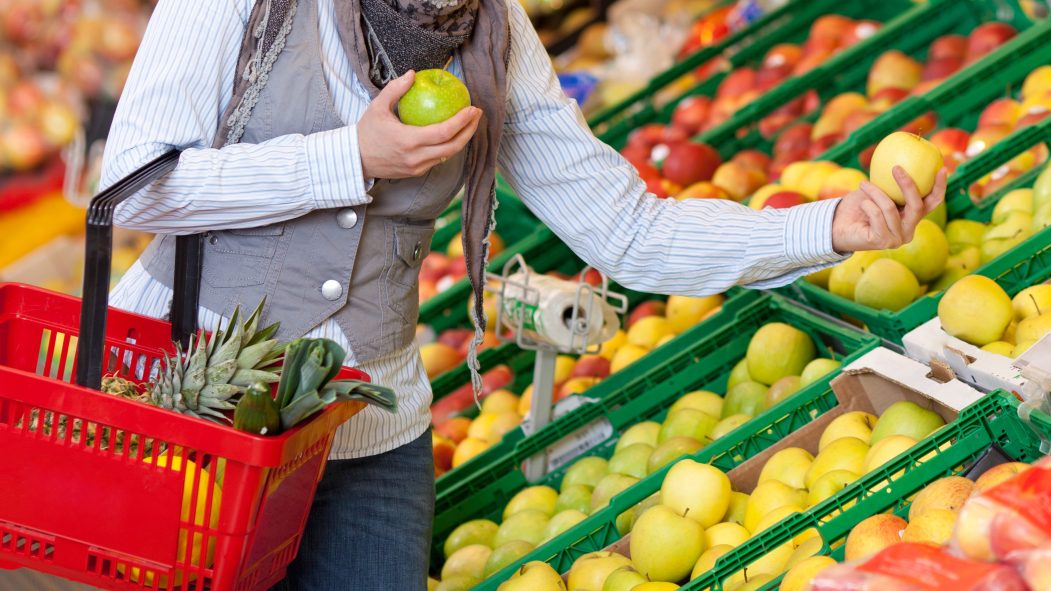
{"points": [[97, 268]]}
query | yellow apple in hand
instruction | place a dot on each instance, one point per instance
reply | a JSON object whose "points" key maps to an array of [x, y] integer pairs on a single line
{"points": [[698, 491], [665, 545], [920, 159], [534, 576]]}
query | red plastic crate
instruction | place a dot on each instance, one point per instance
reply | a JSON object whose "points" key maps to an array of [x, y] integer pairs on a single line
{"points": [[102, 511]]}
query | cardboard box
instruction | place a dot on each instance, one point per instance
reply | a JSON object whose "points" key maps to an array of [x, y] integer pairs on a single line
{"points": [[986, 371], [870, 384]]}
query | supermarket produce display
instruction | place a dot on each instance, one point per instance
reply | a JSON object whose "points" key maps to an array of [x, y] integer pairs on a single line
{"points": [[881, 424]]}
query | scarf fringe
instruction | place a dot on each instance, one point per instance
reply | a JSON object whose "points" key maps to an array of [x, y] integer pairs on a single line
{"points": [[478, 314]]}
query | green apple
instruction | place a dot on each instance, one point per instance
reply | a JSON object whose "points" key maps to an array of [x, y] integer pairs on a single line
{"points": [[624, 578], [1042, 189], [888, 285], [534, 576], [738, 374], [746, 398], [707, 560], [478, 531], [1017, 200], [778, 350], [665, 545], [698, 491], [687, 422], [644, 432], [845, 453], [939, 215], [976, 310], [435, 96], [539, 498], [467, 561], [1014, 230], [926, 255], [671, 450], [561, 523], [738, 506], [608, 487], [845, 275], [702, 400], [782, 389], [527, 526], [587, 471], [458, 583], [647, 504], [856, 423], [505, 556], [1032, 301], [816, 370], [589, 571], [769, 496], [906, 418], [789, 465], [962, 234], [829, 484], [1034, 328], [631, 461], [728, 424], [577, 497]]}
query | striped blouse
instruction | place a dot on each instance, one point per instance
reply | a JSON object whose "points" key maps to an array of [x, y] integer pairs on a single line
{"points": [[182, 79]]}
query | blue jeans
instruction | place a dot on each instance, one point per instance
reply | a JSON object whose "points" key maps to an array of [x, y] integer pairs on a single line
{"points": [[370, 525]]}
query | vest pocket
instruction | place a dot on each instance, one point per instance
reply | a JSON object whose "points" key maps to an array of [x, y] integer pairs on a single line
{"points": [[240, 258], [412, 243]]}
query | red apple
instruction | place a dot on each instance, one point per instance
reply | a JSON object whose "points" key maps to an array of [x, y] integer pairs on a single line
{"points": [[690, 162], [795, 139], [813, 59], [25, 99], [1001, 112], [784, 199], [987, 37], [647, 172], [924, 87], [942, 67], [923, 124], [691, 114], [767, 78], [887, 98], [118, 41], [824, 144], [752, 159], [22, 146], [985, 138], [637, 155], [811, 102], [857, 120], [593, 277], [455, 337], [647, 308], [859, 32], [591, 366], [831, 26], [782, 54], [948, 46], [434, 266], [498, 378], [736, 83], [1031, 118], [952, 143], [647, 136], [457, 268], [775, 122], [865, 157]]}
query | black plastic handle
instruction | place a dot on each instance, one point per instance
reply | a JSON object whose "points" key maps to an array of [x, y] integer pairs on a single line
{"points": [[97, 268]]}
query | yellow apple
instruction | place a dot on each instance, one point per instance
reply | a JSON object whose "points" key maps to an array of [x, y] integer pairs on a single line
{"points": [[665, 545], [431, 584], [458, 583], [927, 254], [688, 422], [561, 522], [845, 276], [799, 576], [702, 400], [467, 561], [946, 493], [671, 450], [789, 465], [976, 310], [933, 526], [608, 487], [999, 474], [816, 370], [708, 559], [778, 350], [631, 461], [610, 347], [727, 425], [1034, 328], [845, 453], [738, 506], [589, 571], [534, 576], [648, 330], [576, 497], [1032, 301], [829, 484], [478, 531], [527, 526], [872, 535], [506, 555], [625, 578], [698, 491], [887, 284], [587, 471], [539, 498], [626, 355], [656, 586], [1000, 348], [684, 312], [807, 549], [752, 582], [726, 534], [769, 496], [906, 418], [886, 450], [857, 424], [644, 432], [919, 158]]}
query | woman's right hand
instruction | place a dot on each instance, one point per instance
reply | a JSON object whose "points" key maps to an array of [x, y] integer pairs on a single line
{"points": [[392, 150]]}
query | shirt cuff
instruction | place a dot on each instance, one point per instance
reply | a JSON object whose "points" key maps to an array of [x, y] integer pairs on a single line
{"points": [[808, 234], [336, 176]]}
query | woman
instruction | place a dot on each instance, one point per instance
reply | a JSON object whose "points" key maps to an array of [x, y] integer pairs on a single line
{"points": [[309, 191]]}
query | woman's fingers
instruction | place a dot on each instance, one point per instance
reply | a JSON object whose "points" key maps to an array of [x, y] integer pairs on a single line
{"points": [[914, 209], [937, 196], [392, 93], [454, 145], [889, 211], [446, 131], [879, 233]]}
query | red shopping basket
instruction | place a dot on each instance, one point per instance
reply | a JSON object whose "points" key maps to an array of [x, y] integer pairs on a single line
{"points": [[122, 495]]}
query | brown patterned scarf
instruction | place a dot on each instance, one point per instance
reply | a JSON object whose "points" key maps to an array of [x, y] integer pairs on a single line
{"points": [[378, 33]]}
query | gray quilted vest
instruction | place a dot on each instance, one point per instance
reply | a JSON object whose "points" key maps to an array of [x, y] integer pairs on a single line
{"points": [[359, 265]]}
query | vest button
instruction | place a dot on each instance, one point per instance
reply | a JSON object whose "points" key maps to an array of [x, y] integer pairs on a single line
{"points": [[331, 290], [347, 218]]}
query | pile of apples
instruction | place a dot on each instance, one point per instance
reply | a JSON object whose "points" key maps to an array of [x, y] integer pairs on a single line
{"points": [[650, 325], [778, 354], [440, 270], [1004, 326], [946, 510]]}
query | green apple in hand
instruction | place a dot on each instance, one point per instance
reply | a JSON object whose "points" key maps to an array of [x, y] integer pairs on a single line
{"points": [[435, 96]]}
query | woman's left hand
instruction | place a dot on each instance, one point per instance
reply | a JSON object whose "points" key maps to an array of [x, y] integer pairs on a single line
{"points": [[867, 219]]}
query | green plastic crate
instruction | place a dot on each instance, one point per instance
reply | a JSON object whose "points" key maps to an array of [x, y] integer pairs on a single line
{"points": [[625, 399], [893, 326], [514, 222], [992, 420]]}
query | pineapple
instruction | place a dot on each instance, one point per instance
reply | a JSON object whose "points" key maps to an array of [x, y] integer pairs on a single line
{"points": [[208, 379]]}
